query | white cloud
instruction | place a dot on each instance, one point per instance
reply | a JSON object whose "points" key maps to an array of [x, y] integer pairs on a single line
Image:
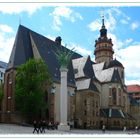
{"points": [[130, 59], [134, 25], [110, 22], [16, 8], [117, 44], [111, 17], [79, 49], [95, 25], [66, 13], [6, 45], [131, 82], [128, 56], [6, 28]]}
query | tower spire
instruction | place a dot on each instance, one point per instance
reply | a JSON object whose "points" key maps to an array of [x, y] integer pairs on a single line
{"points": [[102, 17], [103, 30], [103, 24], [103, 45]]}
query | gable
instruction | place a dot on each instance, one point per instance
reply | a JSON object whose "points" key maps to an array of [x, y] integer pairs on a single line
{"points": [[29, 44]]}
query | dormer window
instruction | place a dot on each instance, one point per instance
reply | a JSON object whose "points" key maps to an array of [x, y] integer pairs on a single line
{"points": [[75, 71]]}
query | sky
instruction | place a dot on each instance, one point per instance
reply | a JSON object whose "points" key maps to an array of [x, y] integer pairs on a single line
{"points": [[78, 27]]}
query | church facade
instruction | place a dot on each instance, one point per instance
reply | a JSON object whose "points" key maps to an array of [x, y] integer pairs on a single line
{"points": [[96, 90]]}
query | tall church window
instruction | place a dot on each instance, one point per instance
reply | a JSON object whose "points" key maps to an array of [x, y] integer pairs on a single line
{"points": [[110, 97], [85, 102], [122, 74], [124, 100], [85, 112], [114, 96], [119, 96]]}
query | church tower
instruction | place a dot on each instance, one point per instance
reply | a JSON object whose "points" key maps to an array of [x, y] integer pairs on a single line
{"points": [[103, 46]]}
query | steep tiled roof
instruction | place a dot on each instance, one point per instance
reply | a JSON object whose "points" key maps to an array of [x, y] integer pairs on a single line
{"points": [[26, 40], [78, 65], [115, 63], [133, 88], [22, 50], [116, 77], [106, 74], [112, 113], [88, 70], [86, 84], [3, 64], [83, 67], [103, 75]]}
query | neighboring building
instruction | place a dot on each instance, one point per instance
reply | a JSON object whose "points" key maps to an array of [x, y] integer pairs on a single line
{"points": [[134, 96], [96, 91], [134, 92], [2, 71]]}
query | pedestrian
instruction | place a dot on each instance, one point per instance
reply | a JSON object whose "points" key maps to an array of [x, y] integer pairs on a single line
{"points": [[124, 128], [136, 129], [35, 127], [103, 128], [39, 126], [43, 125]]}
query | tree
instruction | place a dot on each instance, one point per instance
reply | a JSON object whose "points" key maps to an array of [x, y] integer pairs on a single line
{"points": [[32, 79]]}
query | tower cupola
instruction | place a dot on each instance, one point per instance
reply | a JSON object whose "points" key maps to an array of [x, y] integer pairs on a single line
{"points": [[103, 46]]}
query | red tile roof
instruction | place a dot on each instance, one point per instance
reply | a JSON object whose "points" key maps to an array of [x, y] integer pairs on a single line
{"points": [[133, 88]]}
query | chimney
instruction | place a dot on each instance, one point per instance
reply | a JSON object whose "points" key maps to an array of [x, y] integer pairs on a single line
{"points": [[58, 40]]}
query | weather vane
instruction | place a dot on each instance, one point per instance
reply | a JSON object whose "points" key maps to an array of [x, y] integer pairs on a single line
{"points": [[102, 13], [102, 16]]}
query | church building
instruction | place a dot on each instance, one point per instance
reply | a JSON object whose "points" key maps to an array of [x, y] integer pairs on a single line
{"points": [[97, 93]]}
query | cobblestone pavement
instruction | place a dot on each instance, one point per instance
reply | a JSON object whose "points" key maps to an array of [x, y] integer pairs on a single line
{"points": [[18, 129]]}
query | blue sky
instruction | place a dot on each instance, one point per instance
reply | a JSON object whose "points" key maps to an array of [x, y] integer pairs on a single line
{"points": [[79, 27]]}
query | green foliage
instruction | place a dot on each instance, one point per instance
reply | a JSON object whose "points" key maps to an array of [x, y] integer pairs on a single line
{"points": [[1, 92], [31, 80], [64, 56]]}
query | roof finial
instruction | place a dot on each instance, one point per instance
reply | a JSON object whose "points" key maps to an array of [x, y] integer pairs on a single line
{"points": [[103, 21], [102, 16]]}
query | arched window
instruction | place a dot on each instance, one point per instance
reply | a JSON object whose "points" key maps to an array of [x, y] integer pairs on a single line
{"points": [[118, 123], [114, 98], [114, 123]]}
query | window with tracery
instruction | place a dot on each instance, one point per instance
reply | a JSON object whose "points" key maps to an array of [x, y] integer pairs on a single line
{"points": [[114, 96]]}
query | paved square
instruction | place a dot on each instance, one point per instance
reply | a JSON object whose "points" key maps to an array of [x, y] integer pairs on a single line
{"points": [[18, 129]]}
